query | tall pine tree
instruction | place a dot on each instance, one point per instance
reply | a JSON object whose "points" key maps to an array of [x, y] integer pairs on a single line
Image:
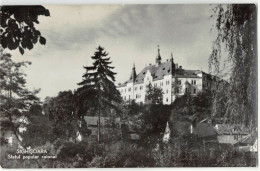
{"points": [[97, 91]]}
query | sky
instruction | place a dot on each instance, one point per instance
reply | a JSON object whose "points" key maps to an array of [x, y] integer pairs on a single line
{"points": [[129, 33]]}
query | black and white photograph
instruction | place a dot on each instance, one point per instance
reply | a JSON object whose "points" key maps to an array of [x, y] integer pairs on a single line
{"points": [[128, 85]]}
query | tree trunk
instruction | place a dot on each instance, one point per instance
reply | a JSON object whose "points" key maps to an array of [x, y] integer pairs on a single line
{"points": [[99, 125]]}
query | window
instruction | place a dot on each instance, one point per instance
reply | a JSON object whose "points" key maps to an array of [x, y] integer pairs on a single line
{"points": [[166, 91], [125, 90], [186, 90], [179, 82], [194, 91], [155, 84], [193, 82], [135, 88], [129, 89], [136, 96], [129, 97], [125, 98], [141, 87], [166, 99]]}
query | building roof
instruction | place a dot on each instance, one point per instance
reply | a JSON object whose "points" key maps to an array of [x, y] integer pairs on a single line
{"points": [[159, 71], [231, 129], [204, 130], [249, 139], [93, 120], [188, 73]]}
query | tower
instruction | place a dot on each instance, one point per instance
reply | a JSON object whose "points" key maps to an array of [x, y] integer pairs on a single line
{"points": [[158, 57], [133, 74], [173, 67]]}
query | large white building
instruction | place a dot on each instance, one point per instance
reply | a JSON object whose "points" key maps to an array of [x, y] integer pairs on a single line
{"points": [[166, 75]]}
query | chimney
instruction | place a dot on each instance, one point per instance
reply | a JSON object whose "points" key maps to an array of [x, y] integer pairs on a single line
{"points": [[176, 65], [180, 67]]}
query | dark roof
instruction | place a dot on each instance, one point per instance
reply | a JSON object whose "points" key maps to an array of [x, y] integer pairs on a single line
{"points": [[204, 130], [93, 120], [158, 72], [188, 73], [231, 129], [250, 139]]}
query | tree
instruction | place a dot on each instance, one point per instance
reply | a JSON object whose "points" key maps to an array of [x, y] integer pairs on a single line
{"points": [[15, 98], [97, 90], [154, 94], [236, 33], [177, 87], [66, 123], [18, 26], [38, 129]]}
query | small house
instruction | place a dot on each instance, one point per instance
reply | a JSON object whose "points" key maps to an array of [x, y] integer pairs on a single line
{"points": [[230, 133], [248, 143]]}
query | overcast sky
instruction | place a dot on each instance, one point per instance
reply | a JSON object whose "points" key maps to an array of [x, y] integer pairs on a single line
{"points": [[130, 33]]}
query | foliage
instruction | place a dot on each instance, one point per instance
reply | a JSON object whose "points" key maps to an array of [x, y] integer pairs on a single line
{"points": [[189, 109], [67, 123], [15, 98], [177, 87], [38, 128], [18, 26], [154, 95], [98, 92], [236, 33]]}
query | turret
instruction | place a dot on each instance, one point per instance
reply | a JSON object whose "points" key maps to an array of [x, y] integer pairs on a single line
{"points": [[133, 74], [158, 57], [173, 65]]}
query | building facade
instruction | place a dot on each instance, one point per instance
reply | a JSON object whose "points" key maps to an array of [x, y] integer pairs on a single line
{"points": [[173, 81]]}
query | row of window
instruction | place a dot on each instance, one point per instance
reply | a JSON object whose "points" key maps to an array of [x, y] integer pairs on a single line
{"points": [[139, 96], [193, 82], [187, 90], [129, 89]]}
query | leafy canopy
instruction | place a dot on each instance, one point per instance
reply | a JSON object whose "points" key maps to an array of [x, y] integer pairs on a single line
{"points": [[236, 34], [18, 26]]}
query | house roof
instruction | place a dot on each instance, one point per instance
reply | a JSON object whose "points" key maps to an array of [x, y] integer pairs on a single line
{"points": [[227, 129], [204, 130], [93, 120], [158, 72], [249, 139]]}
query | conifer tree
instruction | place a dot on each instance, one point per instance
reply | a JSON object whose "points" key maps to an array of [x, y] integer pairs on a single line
{"points": [[97, 91]]}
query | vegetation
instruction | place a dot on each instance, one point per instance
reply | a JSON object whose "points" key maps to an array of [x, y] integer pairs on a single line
{"points": [[58, 125], [97, 88], [15, 98], [154, 95], [237, 35], [18, 27]]}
